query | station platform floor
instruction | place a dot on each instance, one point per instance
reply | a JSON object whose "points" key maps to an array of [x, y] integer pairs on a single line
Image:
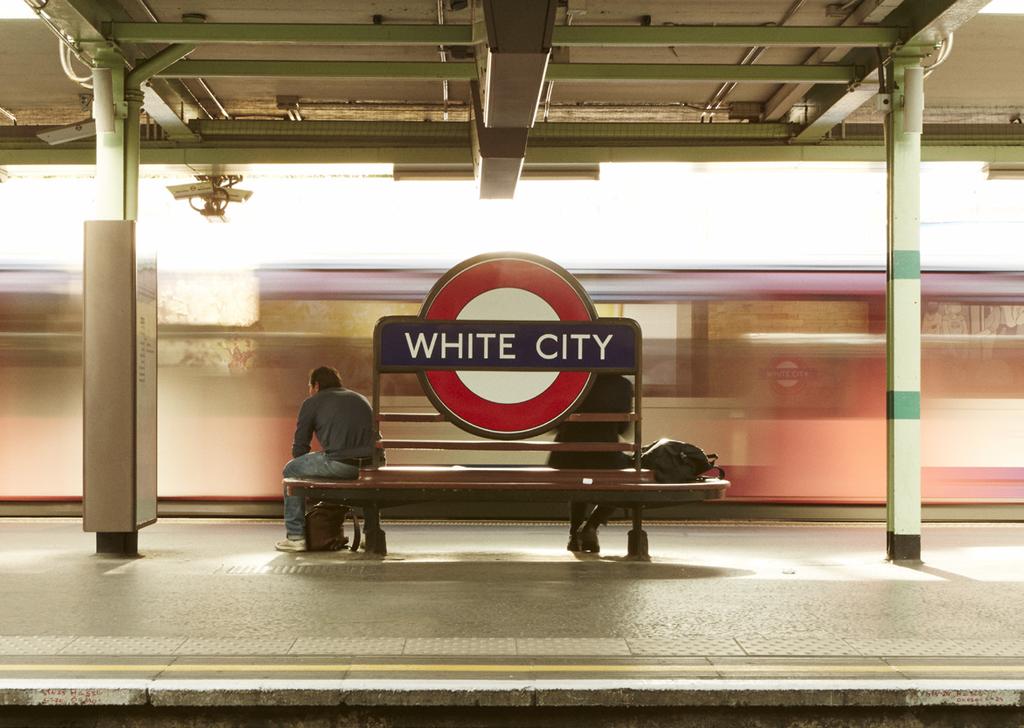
{"points": [[500, 613]]}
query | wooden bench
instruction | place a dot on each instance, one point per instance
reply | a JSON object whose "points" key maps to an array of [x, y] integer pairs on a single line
{"points": [[392, 486], [384, 486]]}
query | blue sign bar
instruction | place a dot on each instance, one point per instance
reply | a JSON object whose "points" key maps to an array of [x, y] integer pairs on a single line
{"points": [[503, 345]]}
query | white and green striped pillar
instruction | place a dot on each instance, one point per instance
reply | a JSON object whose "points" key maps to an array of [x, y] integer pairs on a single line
{"points": [[903, 311]]}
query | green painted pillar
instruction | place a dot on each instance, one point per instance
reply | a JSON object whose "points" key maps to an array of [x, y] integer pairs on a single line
{"points": [[903, 311], [132, 143], [110, 147]]}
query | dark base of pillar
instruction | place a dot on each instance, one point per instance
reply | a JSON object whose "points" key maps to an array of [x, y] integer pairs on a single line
{"points": [[903, 547], [120, 544]]}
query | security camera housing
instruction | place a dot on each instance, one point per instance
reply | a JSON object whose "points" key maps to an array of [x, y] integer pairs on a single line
{"points": [[204, 190], [236, 195], [73, 133], [192, 189]]}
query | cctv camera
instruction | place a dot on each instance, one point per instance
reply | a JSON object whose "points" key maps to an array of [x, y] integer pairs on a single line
{"points": [[237, 195], [215, 192], [72, 133], [192, 189]]}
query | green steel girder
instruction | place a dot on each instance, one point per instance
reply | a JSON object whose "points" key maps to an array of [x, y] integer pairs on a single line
{"points": [[724, 35], [927, 22], [426, 133], [431, 35], [286, 33], [434, 70], [429, 70], [85, 21], [324, 153], [716, 72], [149, 67]]}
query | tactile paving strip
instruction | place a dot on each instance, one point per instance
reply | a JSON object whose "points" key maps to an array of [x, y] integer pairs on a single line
{"points": [[292, 569], [126, 646], [41, 645], [556, 646], [796, 645], [923, 647], [685, 646], [235, 646], [347, 646], [461, 646]]}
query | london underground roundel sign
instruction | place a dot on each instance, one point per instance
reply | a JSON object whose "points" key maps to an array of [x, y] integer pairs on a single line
{"points": [[506, 345]]}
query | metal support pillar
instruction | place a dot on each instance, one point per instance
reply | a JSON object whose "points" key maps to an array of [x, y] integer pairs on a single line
{"points": [[903, 311], [119, 331], [119, 363], [110, 146], [132, 142]]}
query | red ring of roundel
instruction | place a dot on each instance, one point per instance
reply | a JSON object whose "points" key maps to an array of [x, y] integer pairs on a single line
{"points": [[533, 414]]}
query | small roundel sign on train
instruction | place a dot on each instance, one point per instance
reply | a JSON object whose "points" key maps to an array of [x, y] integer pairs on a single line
{"points": [[507, 344]]}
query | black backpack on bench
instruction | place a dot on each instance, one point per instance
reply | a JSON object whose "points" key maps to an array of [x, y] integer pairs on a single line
{"points": [[325, 527], [678, 462]]}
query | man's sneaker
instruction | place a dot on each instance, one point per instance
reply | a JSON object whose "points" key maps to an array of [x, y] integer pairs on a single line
{"points": [[288, 544]]}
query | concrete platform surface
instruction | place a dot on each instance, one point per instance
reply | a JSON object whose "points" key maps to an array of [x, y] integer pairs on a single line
{"points": [[781, 612]]}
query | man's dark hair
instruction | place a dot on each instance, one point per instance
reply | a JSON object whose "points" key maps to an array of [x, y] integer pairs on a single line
{"points": [[326, 377]]}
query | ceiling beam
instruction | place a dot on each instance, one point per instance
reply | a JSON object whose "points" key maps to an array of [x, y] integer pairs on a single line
{"points": [[498, 153], [716, 72], [928, 22], [155, 104], [208, 154], [518, 40], [83, 21], [783, 100], [291, 33], [416, 133], [723, 35], [467, 71], [427, 70], [568, 36]]}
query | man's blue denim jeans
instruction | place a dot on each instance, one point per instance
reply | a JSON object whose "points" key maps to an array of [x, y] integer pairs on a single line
{"points": [[310, 465]]}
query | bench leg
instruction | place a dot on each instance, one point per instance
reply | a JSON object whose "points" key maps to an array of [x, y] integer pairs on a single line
{"points": [[376, 540], [577, 515], [637, 540]]}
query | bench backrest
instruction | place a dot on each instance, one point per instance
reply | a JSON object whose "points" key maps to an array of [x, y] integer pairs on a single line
{"points": [[634, 416]]}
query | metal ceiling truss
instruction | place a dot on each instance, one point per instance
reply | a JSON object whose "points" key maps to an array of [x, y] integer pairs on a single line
{"points": [[223, 155], [81, 23], [927, 22], [839, 75], [463, 71], [454, 35]]}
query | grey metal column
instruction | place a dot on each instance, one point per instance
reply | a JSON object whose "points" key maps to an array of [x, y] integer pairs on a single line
{"points": [[903, 309], [119, 333]]}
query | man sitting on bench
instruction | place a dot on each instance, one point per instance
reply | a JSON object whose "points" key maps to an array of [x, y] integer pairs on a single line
{"points": [[343, 422], [610, 393]]}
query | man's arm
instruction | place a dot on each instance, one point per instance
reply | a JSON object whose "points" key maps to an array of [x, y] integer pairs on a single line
{"points": [[304, 429]]}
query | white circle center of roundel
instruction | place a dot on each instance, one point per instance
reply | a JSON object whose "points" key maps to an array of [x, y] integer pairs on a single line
{"points": [[503, 304]]}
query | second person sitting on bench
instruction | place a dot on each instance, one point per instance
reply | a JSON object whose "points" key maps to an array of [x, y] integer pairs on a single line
{"points": [[610, 393]]}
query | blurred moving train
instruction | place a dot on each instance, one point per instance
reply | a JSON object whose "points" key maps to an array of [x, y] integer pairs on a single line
{"points": [[782, 372]]}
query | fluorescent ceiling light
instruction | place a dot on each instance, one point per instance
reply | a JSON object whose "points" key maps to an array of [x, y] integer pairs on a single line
{"points": [[1007, 171], [15, 10], [1005, 7]]}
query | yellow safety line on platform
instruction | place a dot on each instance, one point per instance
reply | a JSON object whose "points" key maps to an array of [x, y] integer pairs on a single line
{"points": [[441, 668]]}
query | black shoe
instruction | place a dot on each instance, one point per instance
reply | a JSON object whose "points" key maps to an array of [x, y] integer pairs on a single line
{"points": [[588, 540]]}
